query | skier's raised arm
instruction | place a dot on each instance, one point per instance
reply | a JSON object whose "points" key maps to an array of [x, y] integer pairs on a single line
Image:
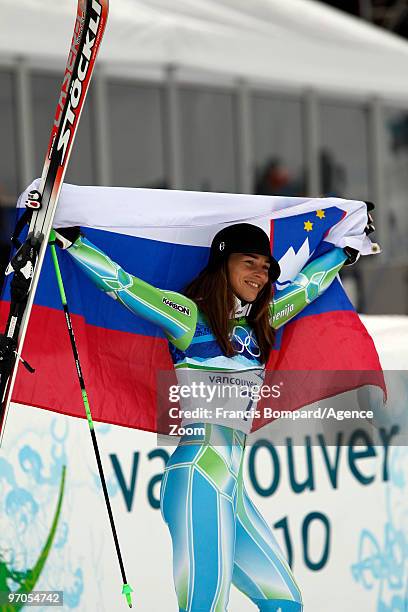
{"points": [[308, 285], [314, 279], [173, 312]]}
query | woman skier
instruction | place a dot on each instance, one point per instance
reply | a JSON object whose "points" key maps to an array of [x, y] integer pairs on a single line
{"points": [[225, 322]]}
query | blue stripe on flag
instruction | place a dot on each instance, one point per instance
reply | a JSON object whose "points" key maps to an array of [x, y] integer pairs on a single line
{"points": [[166, 265]]}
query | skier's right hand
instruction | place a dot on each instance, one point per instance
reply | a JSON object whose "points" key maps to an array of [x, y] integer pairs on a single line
{"points": [[370, 227], [66, 236]]}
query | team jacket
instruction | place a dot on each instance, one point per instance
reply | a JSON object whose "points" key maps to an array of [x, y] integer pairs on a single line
{"points": [[196, 355]]}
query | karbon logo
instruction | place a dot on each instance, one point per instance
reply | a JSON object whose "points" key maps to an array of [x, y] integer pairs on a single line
{"points": [[175, 306], [75, 90]]}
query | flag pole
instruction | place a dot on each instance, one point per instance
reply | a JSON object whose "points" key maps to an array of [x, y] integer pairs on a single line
{"points": [[126, 589]]}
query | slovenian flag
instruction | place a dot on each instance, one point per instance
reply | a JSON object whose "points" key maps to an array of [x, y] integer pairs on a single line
{"points": [[163, 237]]}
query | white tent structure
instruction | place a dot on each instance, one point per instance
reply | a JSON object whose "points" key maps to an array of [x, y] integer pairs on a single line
{"points": [[295, 42], [273, 46]]}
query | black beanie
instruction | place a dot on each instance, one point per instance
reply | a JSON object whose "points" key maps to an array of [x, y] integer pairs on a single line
{"points": [[242, 238]]}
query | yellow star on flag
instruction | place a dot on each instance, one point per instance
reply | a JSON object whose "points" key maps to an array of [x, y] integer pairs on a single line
{"points": [[320, 214], [308, 226]]}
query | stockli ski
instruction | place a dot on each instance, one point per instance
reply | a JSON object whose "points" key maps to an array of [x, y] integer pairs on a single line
{"points": [[41, 204], [76, 85], [40, 210]]}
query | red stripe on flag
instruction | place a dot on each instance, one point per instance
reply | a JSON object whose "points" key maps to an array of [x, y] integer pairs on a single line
{"points": [[120, 368], [321, 356], [335, 340]]}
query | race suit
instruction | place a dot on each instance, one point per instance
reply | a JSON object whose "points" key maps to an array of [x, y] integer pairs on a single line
{"points": [[218, 536]]}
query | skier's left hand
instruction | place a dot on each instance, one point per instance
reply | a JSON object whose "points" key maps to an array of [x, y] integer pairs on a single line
{"points": [[370, 227], [66, 236], [352, 254]]}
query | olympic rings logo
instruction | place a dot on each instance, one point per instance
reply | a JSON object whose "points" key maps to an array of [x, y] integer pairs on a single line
{"points": [[245, 341]]}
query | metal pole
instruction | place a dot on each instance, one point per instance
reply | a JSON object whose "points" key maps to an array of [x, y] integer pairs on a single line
{"points": [[312, 143], [245, 150], [173, 130], [377, 173], [24, 123], [102, 135]]}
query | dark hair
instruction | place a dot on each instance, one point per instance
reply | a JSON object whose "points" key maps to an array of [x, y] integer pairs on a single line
{"points": [[212, 293]]}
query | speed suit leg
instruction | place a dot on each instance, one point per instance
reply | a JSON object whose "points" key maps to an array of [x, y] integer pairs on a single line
{"points": [[218, 536], [260, 569], [198, 502]]}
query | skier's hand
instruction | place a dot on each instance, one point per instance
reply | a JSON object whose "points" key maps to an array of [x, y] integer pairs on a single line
{"points": [[352, 254], [66, 236], [370, 227]]}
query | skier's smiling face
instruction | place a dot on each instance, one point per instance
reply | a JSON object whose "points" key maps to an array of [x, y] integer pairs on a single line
{"points": [[248, 274]]}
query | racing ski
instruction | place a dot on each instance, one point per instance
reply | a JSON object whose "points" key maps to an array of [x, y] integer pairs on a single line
{"points": [[41, 205]]}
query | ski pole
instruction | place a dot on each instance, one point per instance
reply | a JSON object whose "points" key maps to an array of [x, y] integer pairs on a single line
{"points": [[126, 589]]}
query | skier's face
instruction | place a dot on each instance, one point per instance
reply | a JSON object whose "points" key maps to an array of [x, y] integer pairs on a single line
{"points": [[247, 274]]}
